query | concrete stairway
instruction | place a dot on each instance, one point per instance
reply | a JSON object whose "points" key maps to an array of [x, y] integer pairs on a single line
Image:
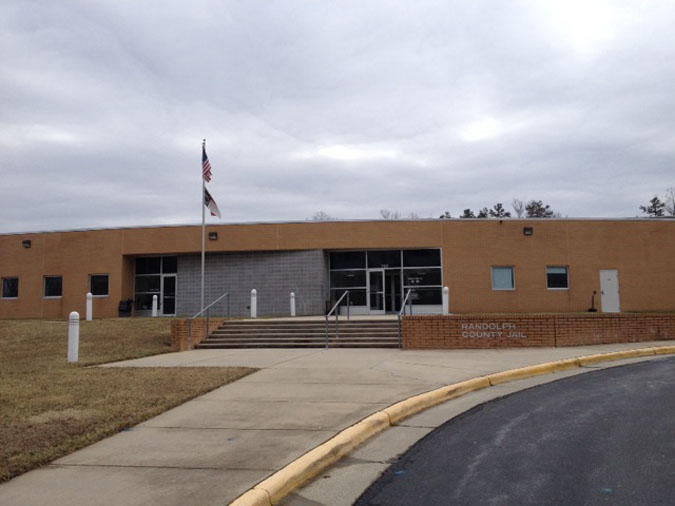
{"points": [[355, 333]]}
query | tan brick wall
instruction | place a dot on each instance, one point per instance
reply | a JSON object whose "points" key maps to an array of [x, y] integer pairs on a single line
{"points": [[180, 331], [641, 250], [524, 330]]}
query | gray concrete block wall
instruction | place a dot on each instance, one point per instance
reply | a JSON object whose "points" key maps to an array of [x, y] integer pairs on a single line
{"points": [[273, 274]]}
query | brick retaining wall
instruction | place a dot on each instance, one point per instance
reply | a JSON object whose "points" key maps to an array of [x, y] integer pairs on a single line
{"points": [[533, 330], [180, 331]]}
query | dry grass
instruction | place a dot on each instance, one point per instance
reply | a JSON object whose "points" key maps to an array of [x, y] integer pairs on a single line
{"points": [[49, 408]]}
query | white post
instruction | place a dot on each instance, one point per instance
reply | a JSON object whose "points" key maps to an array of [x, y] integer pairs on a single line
{"points": [[154, 306], [73, 336], [292, 304], [446, 300], [254, 303], [89, 306]]}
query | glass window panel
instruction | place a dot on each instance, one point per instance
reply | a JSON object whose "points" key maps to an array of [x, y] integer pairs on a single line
{"points": [[143, 302], [148, 265], [348, 260], [169, 305], [10, 288], [502, 278], [415, 277], [53, 286], [426, 296], [169, 285], [347, 279], [169, 265], [390, 258], [356, 297], [148, 284], [421, 258], [556, 277], [98, 284]]}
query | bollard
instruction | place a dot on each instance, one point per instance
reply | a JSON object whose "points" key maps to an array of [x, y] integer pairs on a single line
{"points": [[89, 306], [254, 303], [446, 300], [73, 336], [154, 306], [292, 304]]}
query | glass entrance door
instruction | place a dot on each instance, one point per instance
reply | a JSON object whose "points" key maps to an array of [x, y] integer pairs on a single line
{"points": [[376, 291], [168, 307]]}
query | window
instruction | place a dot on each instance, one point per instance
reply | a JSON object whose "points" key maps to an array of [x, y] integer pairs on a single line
{"points": [[421, 258], [503, 278], [53, 286], [557, 278], [10, 288], [348, 260], [98, 284]]}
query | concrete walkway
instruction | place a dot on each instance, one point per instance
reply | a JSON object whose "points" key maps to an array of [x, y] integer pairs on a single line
{"points": [[211, 449]]}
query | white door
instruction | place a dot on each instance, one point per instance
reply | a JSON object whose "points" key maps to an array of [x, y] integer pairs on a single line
{"points": [[609, 286]]}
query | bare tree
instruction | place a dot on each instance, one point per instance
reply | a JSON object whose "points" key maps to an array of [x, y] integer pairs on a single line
{"points": [[387, 214], [321, 216], [518, 207], [445, 216]]}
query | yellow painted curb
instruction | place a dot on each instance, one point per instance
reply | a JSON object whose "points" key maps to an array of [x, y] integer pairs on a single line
{"points": [[283, 482], [532, 370], [414, 405], [616, 355]]}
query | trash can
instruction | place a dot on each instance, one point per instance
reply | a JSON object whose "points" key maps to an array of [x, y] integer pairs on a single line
{"points": [[124, 307]]}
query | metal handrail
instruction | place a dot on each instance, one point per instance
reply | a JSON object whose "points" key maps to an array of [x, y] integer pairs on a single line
{"points": [[207, 308], [402, 310], [337, 316]]}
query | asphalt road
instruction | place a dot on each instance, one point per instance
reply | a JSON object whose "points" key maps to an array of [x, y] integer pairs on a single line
{"points": [[602, 438]]}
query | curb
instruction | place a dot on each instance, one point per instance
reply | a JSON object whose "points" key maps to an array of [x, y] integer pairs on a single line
{"points": [[271, 490]]}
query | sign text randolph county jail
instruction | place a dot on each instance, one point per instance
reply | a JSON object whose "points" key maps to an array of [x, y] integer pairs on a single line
{"points": [[491, 331]]}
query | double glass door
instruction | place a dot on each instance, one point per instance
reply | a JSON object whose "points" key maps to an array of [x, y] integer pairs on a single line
{"points": [[376, 291]]}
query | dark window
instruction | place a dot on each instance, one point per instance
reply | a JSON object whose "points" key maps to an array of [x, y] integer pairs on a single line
{"points": [[421, 258], [347, 279], [384, 258], [426, 296], [356, 297], [348, 260], [503, 278], [148, 265], [10, 288], [421, 277], [148, 284], [557, 277], [143, 302], [169, 265], [98, 284], [53, 286]]}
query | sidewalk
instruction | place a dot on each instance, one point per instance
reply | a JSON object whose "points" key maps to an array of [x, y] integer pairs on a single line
{"points": [[211, 449]]}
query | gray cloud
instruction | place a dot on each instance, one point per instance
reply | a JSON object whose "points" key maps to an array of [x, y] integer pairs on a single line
{"points": [[347, 108]]}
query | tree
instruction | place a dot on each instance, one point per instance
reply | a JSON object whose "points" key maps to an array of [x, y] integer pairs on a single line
{"points": [[669, 201], [483, 213], [518, 207], [655, 207], [537, 209], [468, 213], [498, 211], [321, 216], [445, 216], [386, 214]]}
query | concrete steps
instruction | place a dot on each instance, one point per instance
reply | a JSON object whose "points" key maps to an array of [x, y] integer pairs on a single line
{"points": [[359, 333]]}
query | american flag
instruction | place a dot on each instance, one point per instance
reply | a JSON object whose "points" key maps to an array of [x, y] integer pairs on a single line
{"points": [[206, 165]]}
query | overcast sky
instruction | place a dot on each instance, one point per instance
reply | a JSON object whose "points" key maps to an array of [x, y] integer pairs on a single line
{"points": [[342, 107]]}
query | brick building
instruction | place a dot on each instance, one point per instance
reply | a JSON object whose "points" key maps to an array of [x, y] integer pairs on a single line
{"points": [[489, 266]]}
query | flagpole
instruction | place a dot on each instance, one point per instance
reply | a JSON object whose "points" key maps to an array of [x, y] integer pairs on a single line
{"points": [[203, 229]]}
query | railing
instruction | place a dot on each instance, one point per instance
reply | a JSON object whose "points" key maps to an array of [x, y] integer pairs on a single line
{"points": [[337, 316], [207, 308], [406, 300]]}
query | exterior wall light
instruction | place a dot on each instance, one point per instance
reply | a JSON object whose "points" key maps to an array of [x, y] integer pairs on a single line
{"points": [[528, 230], [213, 236], [26, 244]]}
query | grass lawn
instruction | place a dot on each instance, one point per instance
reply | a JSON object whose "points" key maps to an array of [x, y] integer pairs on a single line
{"points": [[49, 408]]}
